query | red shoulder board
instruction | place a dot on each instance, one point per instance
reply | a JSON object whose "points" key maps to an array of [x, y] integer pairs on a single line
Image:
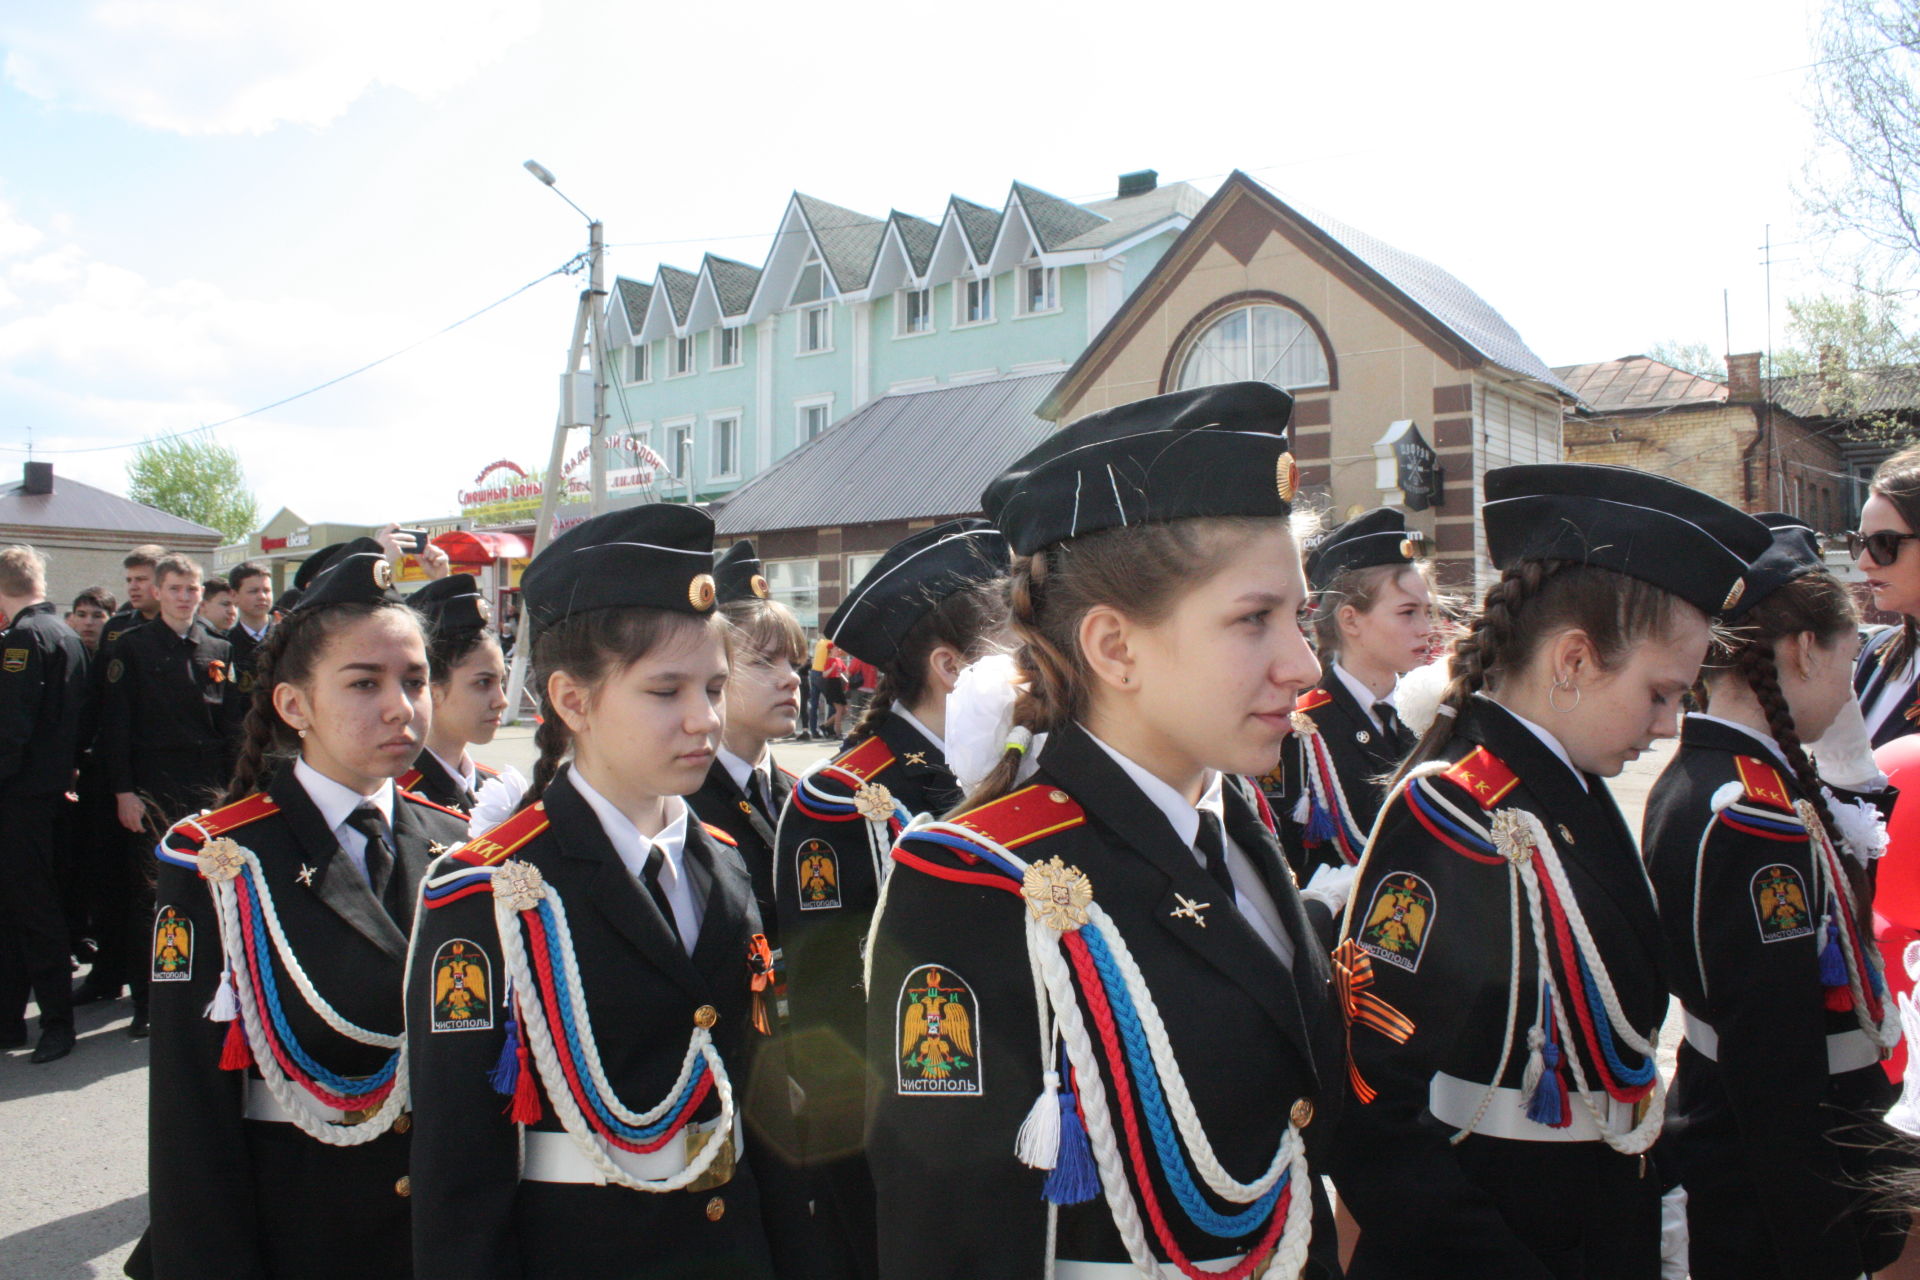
{"points": [[1024, 816], [417, 798], [231, 818], [720, 835], [409, 780], [1313, 700], [1763, 782], [506, 839], [1483, 776], [866, 761]]}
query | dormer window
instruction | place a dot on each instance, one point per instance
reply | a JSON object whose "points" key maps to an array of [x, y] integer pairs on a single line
{"points": [[812, 286]]}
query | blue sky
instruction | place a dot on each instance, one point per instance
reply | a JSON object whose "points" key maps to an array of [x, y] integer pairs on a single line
{"points": [[208, 205]]}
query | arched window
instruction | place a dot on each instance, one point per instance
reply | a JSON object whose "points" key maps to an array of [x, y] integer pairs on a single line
{"points": [[1256, 343]]}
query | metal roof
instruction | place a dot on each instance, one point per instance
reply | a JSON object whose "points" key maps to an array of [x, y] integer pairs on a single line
{"points": [[914, 456], [1886, 389], [73, 505], [1639, 382]]}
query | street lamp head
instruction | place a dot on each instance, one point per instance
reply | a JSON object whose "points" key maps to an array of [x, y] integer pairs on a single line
{"points": [[539, 171]]}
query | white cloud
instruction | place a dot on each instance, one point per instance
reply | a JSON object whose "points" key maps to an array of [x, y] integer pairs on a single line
{"points": [[248, 66]]}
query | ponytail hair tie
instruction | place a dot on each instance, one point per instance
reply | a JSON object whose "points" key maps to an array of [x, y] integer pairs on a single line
{"points": [[1020, 739]]}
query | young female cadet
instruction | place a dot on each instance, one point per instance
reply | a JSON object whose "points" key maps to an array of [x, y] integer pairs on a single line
{"points": [[930, 605], [1884, 549], [589, 983], [1764, 880], [469, 690], [278, 1117], [1503, 1103], [1112, 947], [1373, 620]]}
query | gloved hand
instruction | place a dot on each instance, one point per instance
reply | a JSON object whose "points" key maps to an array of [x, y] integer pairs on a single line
{"points": [[1844, 756], [1331, 885], [1673, 1234]]}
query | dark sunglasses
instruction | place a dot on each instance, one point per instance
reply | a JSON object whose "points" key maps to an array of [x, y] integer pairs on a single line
{"points": [[1883, 545]]}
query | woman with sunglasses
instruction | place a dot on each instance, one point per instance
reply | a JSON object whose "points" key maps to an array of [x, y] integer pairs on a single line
{"points": [[1884, 678]]}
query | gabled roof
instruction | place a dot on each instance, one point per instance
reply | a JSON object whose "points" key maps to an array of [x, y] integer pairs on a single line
{"points": [[980, 223], [73, 505], [1639, 383], [679, 286], [733, 283], [1129, 216], [1885, 389], [1054, 221], [918, 235], [634, 297], [848, 240], [1442, 312], [918, 456]]}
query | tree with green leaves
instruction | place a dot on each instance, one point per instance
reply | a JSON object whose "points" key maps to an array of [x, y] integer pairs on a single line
{"points": [[1696, 358], [1862, 183], [196, 478]]}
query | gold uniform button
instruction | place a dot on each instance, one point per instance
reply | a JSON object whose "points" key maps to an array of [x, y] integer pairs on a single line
{"points": [[403, 1122], [705, 1016], [404, 1187], [1302, 1113], [1058, 797], [716, 1208]]}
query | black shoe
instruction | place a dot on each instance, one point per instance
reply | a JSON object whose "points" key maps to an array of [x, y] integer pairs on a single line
{"points": [[55, 1043], [138, 1028], [13, 1036], [87, 991]]}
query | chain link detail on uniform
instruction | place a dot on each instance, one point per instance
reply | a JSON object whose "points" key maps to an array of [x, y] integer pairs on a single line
{"points": [[1049, 953], [1864, 964], [553, 1073], [255, 997]]}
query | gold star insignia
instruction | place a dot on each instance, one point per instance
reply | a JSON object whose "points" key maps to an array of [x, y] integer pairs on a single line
{"points": [[435, 848], [1189, 909], [306, 875]]}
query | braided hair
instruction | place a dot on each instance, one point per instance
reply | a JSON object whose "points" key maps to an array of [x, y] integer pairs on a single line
{"points": [[288, 656], [1531, 601], [970, 621]]}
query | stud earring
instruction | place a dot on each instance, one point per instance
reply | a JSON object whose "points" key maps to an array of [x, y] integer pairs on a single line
{"points": [[303, 734]]}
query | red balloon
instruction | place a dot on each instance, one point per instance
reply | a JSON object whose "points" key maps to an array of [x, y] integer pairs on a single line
{"points": [[1897, 896]]}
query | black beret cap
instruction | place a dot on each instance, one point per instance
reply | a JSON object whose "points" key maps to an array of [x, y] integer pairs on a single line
{"points": [[289, 600], [1215, 451], [657, 556], [452, 604], [1375, 537], [356, 573], [915, 575], [1794, 554], [738, 575], [313, 565], [1634, 522]]}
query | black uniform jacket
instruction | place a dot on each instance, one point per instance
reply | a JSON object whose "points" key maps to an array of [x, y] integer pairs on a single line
{"points": [[166, 711], [430, 778], [825, 887], [1771, 1148], [1363, 757], [1252, 1037], [43, 699], [238, 1198], [474, 1219], [1870, 676], [1491, 1206], [722, 803]]}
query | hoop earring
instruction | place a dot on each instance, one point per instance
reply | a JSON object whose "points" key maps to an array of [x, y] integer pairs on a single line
{"points": [[1553, 702]]}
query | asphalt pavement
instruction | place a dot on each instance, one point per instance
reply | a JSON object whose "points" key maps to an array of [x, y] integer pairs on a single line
{"points": [[73, 1179]]}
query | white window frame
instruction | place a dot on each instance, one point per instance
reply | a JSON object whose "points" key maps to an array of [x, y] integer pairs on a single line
{"points": [[802, 407], [678, 459], [803, 596], [961, 286], [719, 426], [1024, 300], [643, 351], [688, 344], [725, 336], [903, 308], [800, 330]]}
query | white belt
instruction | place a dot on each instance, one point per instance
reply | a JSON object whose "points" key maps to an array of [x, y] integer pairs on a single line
{"points": [[1066, 1269], [556, 1157], [1846, 1050], [1453, 1101], [262, 1105]]}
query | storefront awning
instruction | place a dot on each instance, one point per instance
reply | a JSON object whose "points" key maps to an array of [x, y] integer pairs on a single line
{"points": [[465, 546]]}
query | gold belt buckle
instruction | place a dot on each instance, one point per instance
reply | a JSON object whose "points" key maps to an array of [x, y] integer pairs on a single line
{"points": [[720, 1172]]}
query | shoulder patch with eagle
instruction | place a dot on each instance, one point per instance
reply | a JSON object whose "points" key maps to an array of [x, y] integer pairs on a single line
{"points": [[939, 1021], [1398, 920], [462, 978], [1780, 903]]}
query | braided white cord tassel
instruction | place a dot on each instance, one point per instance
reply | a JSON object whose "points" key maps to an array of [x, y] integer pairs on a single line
{"points": [[1886, 1033], [1513, 1006]]}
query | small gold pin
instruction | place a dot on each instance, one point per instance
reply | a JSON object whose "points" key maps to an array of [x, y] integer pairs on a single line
{"points": [[916, 757], [1189, 909], [306, 875], [1564, 833]]}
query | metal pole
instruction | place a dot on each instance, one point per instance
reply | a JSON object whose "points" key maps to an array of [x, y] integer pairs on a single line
{"points": [[597, 292]]}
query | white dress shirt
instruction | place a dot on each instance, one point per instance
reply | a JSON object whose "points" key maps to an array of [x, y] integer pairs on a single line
{"points": [[633, 849], [1249, 892], [464, 776], [742, 773], [1361, 694], [336, 803]]}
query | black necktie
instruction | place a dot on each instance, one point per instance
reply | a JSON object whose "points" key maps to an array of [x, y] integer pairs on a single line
{"points": [[761, 793], [1389, 722], [1213, 850], [656, 866], [369, 822]]}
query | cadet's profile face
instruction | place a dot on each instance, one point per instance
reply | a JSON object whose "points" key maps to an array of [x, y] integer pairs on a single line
{"points": [[467, 707], [140, 586], [179, 595], [1620, 714], [1896, 586], [1395, 633], [219, 611], [1816, 679], [366, 708], [87, 622], [763, 694], [647, 730], [1217, 679], [254, 599]]}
